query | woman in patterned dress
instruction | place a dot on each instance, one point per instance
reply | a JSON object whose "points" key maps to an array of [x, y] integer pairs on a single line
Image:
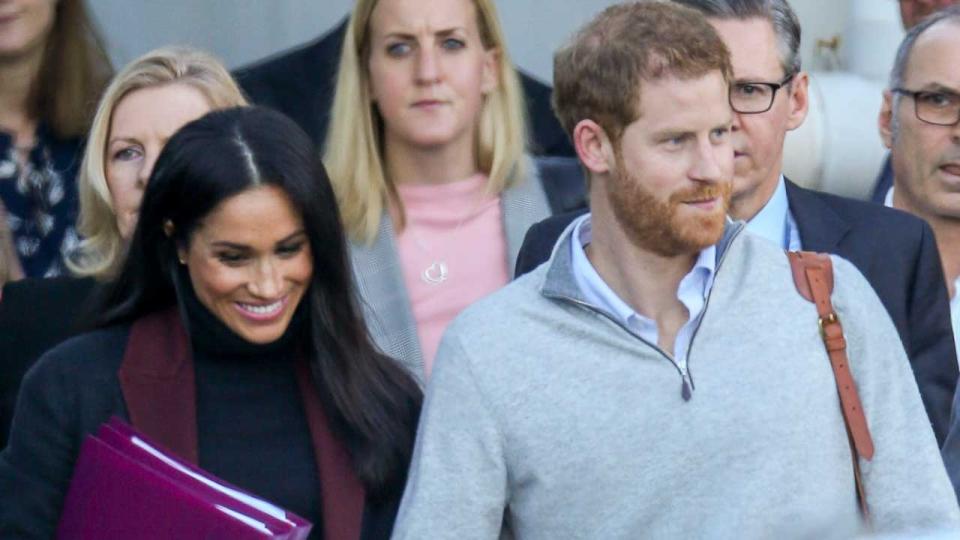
{"points": [[53, 66]]}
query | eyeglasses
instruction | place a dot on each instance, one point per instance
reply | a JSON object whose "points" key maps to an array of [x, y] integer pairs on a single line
{"points": [[937, 108], [755, 97]]}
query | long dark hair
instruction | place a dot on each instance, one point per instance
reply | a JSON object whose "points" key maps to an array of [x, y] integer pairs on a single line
{"points": [[372, 402]]}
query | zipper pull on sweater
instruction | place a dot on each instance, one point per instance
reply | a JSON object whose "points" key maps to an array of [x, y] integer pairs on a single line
{"points": [[686, 391]]}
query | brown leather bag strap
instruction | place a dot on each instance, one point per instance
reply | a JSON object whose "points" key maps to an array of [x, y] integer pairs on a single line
{"points": [[813, 276]]}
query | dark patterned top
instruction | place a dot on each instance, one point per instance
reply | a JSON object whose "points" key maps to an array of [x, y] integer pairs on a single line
{"points": [[42, 201]]}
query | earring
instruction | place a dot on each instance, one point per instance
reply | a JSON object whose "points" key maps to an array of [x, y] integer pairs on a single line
{"points": [[182, 260]]}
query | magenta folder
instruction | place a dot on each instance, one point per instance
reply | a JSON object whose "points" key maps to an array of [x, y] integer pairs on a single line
{"points": [[126, 486]]}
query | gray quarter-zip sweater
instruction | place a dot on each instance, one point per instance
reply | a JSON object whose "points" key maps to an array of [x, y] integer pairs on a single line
{"points": [[544, 419]]}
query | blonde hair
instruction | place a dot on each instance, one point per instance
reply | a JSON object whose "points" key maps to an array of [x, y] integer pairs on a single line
{"points": [[353, 147], [101, 251], [646, 41]]}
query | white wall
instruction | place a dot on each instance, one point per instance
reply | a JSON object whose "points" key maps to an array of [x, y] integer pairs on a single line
{"points": [[240, 31]]}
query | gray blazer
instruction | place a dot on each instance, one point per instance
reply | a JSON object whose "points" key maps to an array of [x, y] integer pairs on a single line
{"points": [[379, 277]]}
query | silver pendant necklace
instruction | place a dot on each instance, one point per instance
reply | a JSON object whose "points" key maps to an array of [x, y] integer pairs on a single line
{"points": [[438, 271], [435, 274]]}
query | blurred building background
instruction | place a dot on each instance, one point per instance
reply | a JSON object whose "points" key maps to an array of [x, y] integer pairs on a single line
{"points": [[848, 45]]}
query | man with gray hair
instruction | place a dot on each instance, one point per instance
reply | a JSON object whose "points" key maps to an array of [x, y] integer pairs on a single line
{"points": [[769, 98], [911, 13], [920, 124]]}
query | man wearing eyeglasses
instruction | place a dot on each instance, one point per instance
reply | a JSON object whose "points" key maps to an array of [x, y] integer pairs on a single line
{"points": [[911, 13], [895, 252], [920, 124]]}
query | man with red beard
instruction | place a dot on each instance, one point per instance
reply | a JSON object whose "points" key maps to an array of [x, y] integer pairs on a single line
{"points": [[660, 376], [894, 251]]}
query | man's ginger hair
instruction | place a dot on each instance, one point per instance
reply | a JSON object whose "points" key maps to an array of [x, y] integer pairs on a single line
{"points": [[598, 74]]}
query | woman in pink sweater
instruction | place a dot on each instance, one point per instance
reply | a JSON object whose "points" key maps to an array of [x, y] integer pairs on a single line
{"points": [[426, 152]]}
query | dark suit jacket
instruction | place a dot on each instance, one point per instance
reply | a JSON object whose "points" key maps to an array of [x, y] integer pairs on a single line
{"points": [[300, 83], [35, 315], [884, 182], [894, 250]]}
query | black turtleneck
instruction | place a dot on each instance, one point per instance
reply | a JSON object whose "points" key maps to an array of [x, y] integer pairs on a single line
{"points": [[252, 430]]}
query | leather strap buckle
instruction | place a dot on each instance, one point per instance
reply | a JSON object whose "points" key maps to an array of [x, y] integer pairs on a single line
{"points": [[813, 276], [823, 322]]}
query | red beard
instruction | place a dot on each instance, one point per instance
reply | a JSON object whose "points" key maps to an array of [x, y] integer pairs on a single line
{"points": [[658, 226]]}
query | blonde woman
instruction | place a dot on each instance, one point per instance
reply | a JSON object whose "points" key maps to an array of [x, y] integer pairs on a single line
{"points": [[426, 152], [142, 107]]}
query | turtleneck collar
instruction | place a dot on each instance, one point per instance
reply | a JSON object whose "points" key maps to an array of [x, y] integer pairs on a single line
{"points": [[212, 338]]}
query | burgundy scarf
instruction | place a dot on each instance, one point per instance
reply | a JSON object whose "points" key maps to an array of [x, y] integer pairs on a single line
{"points": [[157, 380]]}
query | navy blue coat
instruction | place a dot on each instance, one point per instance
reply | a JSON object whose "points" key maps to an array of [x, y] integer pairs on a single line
{"points": [[35, 315], [894, 250], [300, 83]]}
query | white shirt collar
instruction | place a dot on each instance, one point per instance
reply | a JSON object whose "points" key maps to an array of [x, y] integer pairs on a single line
{"points": [[888, 199], [692, 291]]}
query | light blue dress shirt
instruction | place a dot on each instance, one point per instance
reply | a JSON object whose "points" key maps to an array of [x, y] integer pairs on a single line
{"points": [[692, 293], [774, 221]]}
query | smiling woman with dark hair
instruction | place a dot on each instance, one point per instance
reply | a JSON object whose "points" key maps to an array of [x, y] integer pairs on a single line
{"points": [[142, 107], [231, 336]]}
